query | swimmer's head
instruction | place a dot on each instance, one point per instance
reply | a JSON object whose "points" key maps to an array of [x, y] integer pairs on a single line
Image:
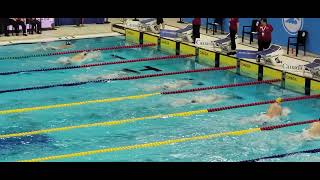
{"points": [[279, 100], [200, 83], [193, 101], [68, 43]]}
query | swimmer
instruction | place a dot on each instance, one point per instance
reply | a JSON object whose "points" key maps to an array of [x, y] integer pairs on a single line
{"points": [[207, 99], [313, 131], [63, 46], [275, 110], [85, 77], [79, 58], [171, 85]]}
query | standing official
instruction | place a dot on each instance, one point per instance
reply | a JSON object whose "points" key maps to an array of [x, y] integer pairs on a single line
{"points": [[233, 28], [264, 35], [196, 23]]}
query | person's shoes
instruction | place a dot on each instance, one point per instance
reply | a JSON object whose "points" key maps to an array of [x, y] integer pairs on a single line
{"points": [[6, 35], [17, 34], [38, 32], [232, 52], [31, 32], [25, 34]]}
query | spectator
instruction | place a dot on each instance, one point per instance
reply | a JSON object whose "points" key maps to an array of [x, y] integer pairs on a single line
{"points": [[4, 23], [233, 28], [264, 35], [160, 22], [35, 25], [16, 22], [79, 22], [196, 23]]}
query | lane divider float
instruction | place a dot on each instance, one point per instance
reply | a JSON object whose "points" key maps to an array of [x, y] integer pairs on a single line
{"points": [[100, 64], [284, 155], [167, 142], [108, 100], [130, 120], [79, 51], [119, 79]]}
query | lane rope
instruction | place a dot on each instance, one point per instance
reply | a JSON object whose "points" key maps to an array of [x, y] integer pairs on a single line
{"points": [[221, 86], [130, 120], [107, 100], [119, 79], [284, 155], [79, 51], [100, 64], [161, 143]]}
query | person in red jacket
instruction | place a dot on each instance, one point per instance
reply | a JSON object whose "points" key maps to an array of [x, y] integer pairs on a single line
{"points": [[196, 23], [233, 28], [264, 35]]}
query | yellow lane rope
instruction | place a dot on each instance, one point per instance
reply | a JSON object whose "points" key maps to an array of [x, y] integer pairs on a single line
{"points": [[10, 111], [146, 145], [107, 123]]}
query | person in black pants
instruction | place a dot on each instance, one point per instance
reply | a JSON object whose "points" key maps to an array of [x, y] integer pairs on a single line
{"points": [[264, 35], [233, 28], [196, 23], [160, 21], [79, 22], [4, 26], [35, 25], [16, 22], [1, 26]]}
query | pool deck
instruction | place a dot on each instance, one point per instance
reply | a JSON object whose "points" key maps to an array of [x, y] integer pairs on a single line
{"points": [[103, 30]]}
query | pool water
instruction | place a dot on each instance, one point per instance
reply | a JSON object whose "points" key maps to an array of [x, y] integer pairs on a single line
{"points": [[222, 149]]}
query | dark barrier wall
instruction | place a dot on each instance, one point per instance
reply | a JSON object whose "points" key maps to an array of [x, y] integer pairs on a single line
{"points": [[73, 21]]}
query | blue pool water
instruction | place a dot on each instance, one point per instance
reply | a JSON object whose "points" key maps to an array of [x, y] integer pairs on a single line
{"points": [[232, 148]]}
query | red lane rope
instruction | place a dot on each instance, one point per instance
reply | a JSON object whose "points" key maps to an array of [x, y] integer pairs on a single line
{"points": [[269, 128], [83, 50], [115, 79], [262, 102], [100, 64], [221, 86]]}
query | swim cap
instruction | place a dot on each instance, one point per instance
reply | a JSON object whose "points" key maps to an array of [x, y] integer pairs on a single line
{"points": [[279, 100]]}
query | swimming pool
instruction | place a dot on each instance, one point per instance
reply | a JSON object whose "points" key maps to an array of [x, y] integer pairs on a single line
{"points": [[226, 148]]}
